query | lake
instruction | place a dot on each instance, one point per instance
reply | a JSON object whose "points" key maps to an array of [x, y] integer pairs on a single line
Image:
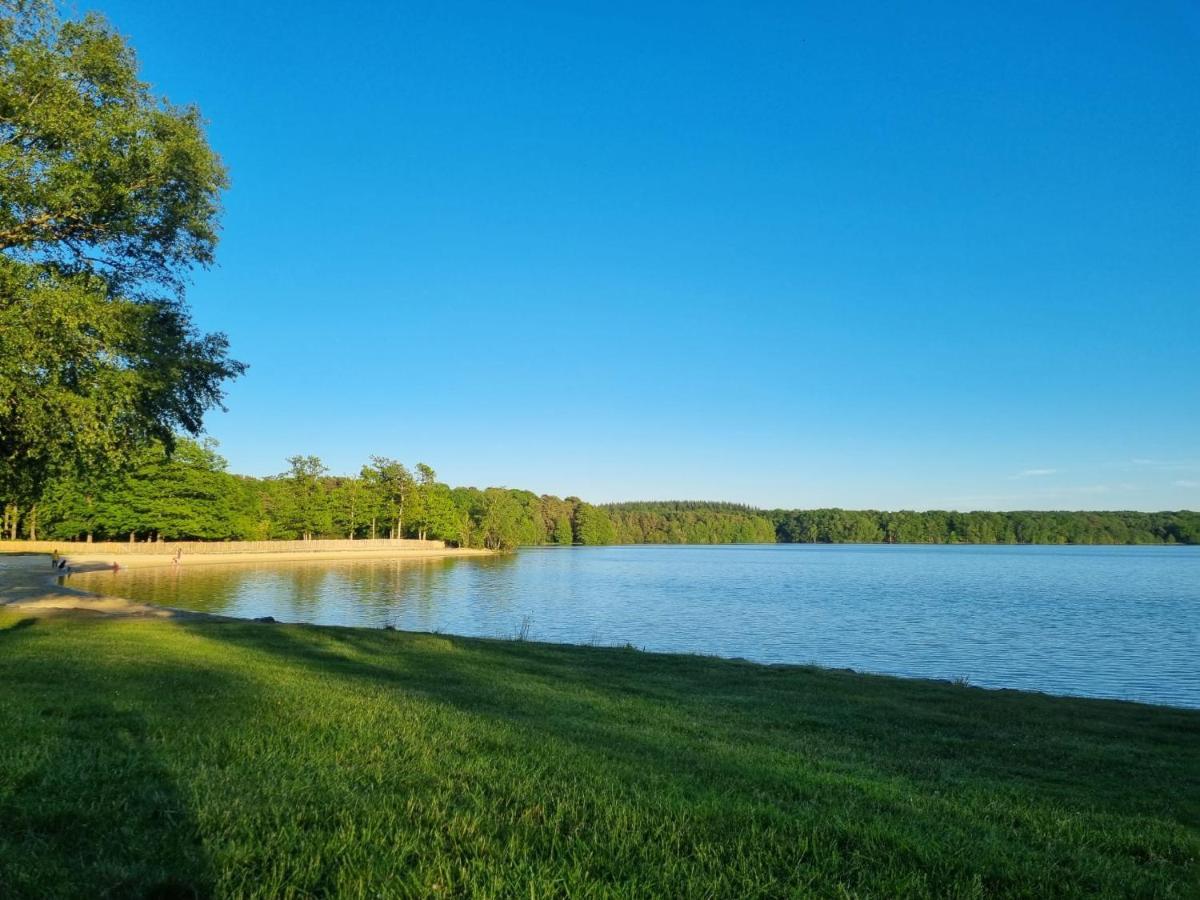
{"points": [[1091, 621]]}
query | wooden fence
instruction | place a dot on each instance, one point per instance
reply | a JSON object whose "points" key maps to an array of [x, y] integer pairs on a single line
{"points": [[170, 548]]}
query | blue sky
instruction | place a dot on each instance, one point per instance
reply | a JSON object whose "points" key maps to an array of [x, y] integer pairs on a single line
{"points": [[868, 255]]}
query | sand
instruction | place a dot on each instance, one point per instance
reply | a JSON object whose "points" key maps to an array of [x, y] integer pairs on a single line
{"points": [[28, 583]]}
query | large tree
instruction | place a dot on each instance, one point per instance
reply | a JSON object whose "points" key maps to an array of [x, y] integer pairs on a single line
{"points": [[185, 496], [309, 514], [389, 483], [109, 197]]}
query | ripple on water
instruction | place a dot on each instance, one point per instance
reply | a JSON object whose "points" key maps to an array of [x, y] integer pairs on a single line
{"points": [[1092, 621]]}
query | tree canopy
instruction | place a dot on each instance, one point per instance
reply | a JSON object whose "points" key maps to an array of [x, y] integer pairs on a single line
{"points": [[190, 495], [109, 197], [702, 523]]}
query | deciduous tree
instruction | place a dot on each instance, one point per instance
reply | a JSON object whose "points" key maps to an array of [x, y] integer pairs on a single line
{"points": [[109, 197], [310, 507]]}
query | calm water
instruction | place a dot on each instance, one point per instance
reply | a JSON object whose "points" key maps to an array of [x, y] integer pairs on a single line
{"points": [[1095, 621]]}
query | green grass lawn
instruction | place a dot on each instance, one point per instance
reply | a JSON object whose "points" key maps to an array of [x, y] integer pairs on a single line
{"points": [[193, 758]]}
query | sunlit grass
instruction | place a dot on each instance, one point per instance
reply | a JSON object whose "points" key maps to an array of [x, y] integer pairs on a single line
{"points": [[240, 759]]}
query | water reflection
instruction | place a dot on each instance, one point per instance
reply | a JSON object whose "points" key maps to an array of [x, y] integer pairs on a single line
{"points": [[1099, 621]]}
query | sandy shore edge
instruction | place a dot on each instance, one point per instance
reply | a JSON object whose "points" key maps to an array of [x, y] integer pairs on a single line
{"points": [[28, 583]]}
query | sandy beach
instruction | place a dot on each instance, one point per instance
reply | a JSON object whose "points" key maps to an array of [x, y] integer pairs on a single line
{"points": [[27, 581]]}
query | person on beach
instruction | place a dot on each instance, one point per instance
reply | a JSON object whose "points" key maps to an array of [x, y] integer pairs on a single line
{"points": [[54, 559], [115, 566], [178, 557]]}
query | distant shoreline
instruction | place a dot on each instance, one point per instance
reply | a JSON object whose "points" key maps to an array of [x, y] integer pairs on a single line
{"points": [[85, 556], [27, 582]]}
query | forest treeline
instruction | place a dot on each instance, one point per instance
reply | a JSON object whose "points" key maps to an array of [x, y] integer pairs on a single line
{"points": [[689, 522], [190, 495], [718, 523]]}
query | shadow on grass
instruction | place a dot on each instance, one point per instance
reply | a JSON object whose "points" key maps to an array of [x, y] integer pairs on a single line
{"points": [[10, 630], [675, 715], [87, 809], [910, 775], [873, 772]]}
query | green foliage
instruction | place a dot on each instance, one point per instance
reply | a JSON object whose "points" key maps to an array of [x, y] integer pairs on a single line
{"points": [[563, 533], [592, 525], [97, 175], [830, 526], [557, 516], [509, 519], [306, 508], [348, 504], [441, 521], [389, 485], [232, 759], [501, 522], [696, 522], [683, 522], [1024, 527], [431, 507], [185, 495], [191, 495], [108, 197]]}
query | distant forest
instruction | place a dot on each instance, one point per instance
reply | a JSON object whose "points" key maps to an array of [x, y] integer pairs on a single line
{"points": [[719, 523], [190, 495]]}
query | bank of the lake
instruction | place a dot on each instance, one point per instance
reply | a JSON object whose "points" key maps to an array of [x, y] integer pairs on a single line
{"points": [[86, 556], [1107, 622], [30, 581], [194, 756]]}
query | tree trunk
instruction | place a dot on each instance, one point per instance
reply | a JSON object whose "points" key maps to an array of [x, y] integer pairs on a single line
{"points": [[33, 523], [89, 537], [372, 528]]}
